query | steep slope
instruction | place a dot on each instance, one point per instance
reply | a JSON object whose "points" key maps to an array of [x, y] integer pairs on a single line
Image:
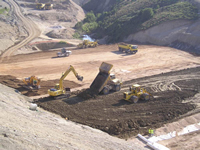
{"points": [[21, 128], [181, 34], [58, 22], [11, 30], [99, 6]]}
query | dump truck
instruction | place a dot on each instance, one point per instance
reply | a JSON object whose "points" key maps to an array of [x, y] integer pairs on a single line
{"points": [[59, 91], [40, 6], [128, 48], [48, 6], [136, 93], [87, 43], [31, 83], [105, 81], [64, 53]]}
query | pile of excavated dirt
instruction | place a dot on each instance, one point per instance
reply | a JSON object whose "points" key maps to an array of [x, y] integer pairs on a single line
{"points": [[110, 113], [53, 45], [13, 82]]}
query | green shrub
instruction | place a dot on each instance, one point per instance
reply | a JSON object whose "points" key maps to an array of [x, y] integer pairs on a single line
{"points": [[78, 25], [62, 42], [146, 14], [89, 27], [90, 17], [76, 35], [4, 10]]}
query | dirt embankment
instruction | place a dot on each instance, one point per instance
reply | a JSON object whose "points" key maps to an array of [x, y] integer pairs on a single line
{"points": [[180, 34], [11, 30]]}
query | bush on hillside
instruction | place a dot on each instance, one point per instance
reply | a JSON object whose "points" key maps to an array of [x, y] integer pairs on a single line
{"points": [[146, 14], [90, 17], [78, 25], [89, 27]]}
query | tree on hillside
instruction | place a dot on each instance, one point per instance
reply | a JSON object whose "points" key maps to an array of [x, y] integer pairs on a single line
{"points": [[146, 14], [90, 17]]}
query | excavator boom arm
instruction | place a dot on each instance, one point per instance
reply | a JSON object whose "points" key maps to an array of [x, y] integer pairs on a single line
{"points": [[71, 68]]}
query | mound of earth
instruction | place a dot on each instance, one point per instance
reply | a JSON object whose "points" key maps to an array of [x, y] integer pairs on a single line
{"points": [[112, 114], [60, 34]]}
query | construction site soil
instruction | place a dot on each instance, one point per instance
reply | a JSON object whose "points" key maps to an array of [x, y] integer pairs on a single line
{"points": [[13, 82], [110, 113]]}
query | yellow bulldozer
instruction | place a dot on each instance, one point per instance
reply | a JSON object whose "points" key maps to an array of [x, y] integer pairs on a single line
{"points": [[87, 43], [58, 91], [48, 6], [40, 6], [136, 93], [31, 83]]}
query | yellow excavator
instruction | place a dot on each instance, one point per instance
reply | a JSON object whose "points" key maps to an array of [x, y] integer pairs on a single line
{"points": [[31, 83], [58, 91]]}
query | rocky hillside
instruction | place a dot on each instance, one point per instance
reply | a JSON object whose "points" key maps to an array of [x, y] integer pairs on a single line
{"points": [[11, 30], [99, 6], [57, 23]]}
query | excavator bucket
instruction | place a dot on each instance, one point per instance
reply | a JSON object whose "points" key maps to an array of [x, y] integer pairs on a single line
{"points": [[80, 78], [101, 78]]}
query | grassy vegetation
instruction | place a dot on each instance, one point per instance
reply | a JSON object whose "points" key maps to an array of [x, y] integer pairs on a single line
{"points": [[126, 17], [4, 10]]}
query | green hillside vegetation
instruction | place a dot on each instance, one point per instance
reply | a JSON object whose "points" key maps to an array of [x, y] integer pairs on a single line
{"points": [[4, 10], [127, 17]]}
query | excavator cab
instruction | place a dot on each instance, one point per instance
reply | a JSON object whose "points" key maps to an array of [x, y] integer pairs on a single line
{"points": [[57, 86]]}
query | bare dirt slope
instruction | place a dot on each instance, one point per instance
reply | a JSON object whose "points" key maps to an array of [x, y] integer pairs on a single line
{"points": [[11, 30], [56, 23], [21, 128], [187, 141]]}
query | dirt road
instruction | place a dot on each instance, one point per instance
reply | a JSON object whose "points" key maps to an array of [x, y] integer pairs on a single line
{"points": [[29, 25]]}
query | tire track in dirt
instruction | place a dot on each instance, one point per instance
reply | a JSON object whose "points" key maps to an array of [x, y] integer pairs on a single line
{"points": [[29, 25]]}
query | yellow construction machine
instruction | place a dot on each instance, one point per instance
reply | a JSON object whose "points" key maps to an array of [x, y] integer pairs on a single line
{"points": [[40, 6], [136, 93], [58, 91], [32, 83], [48, 6], [104, 81], [127, 48], [87, 43]]}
